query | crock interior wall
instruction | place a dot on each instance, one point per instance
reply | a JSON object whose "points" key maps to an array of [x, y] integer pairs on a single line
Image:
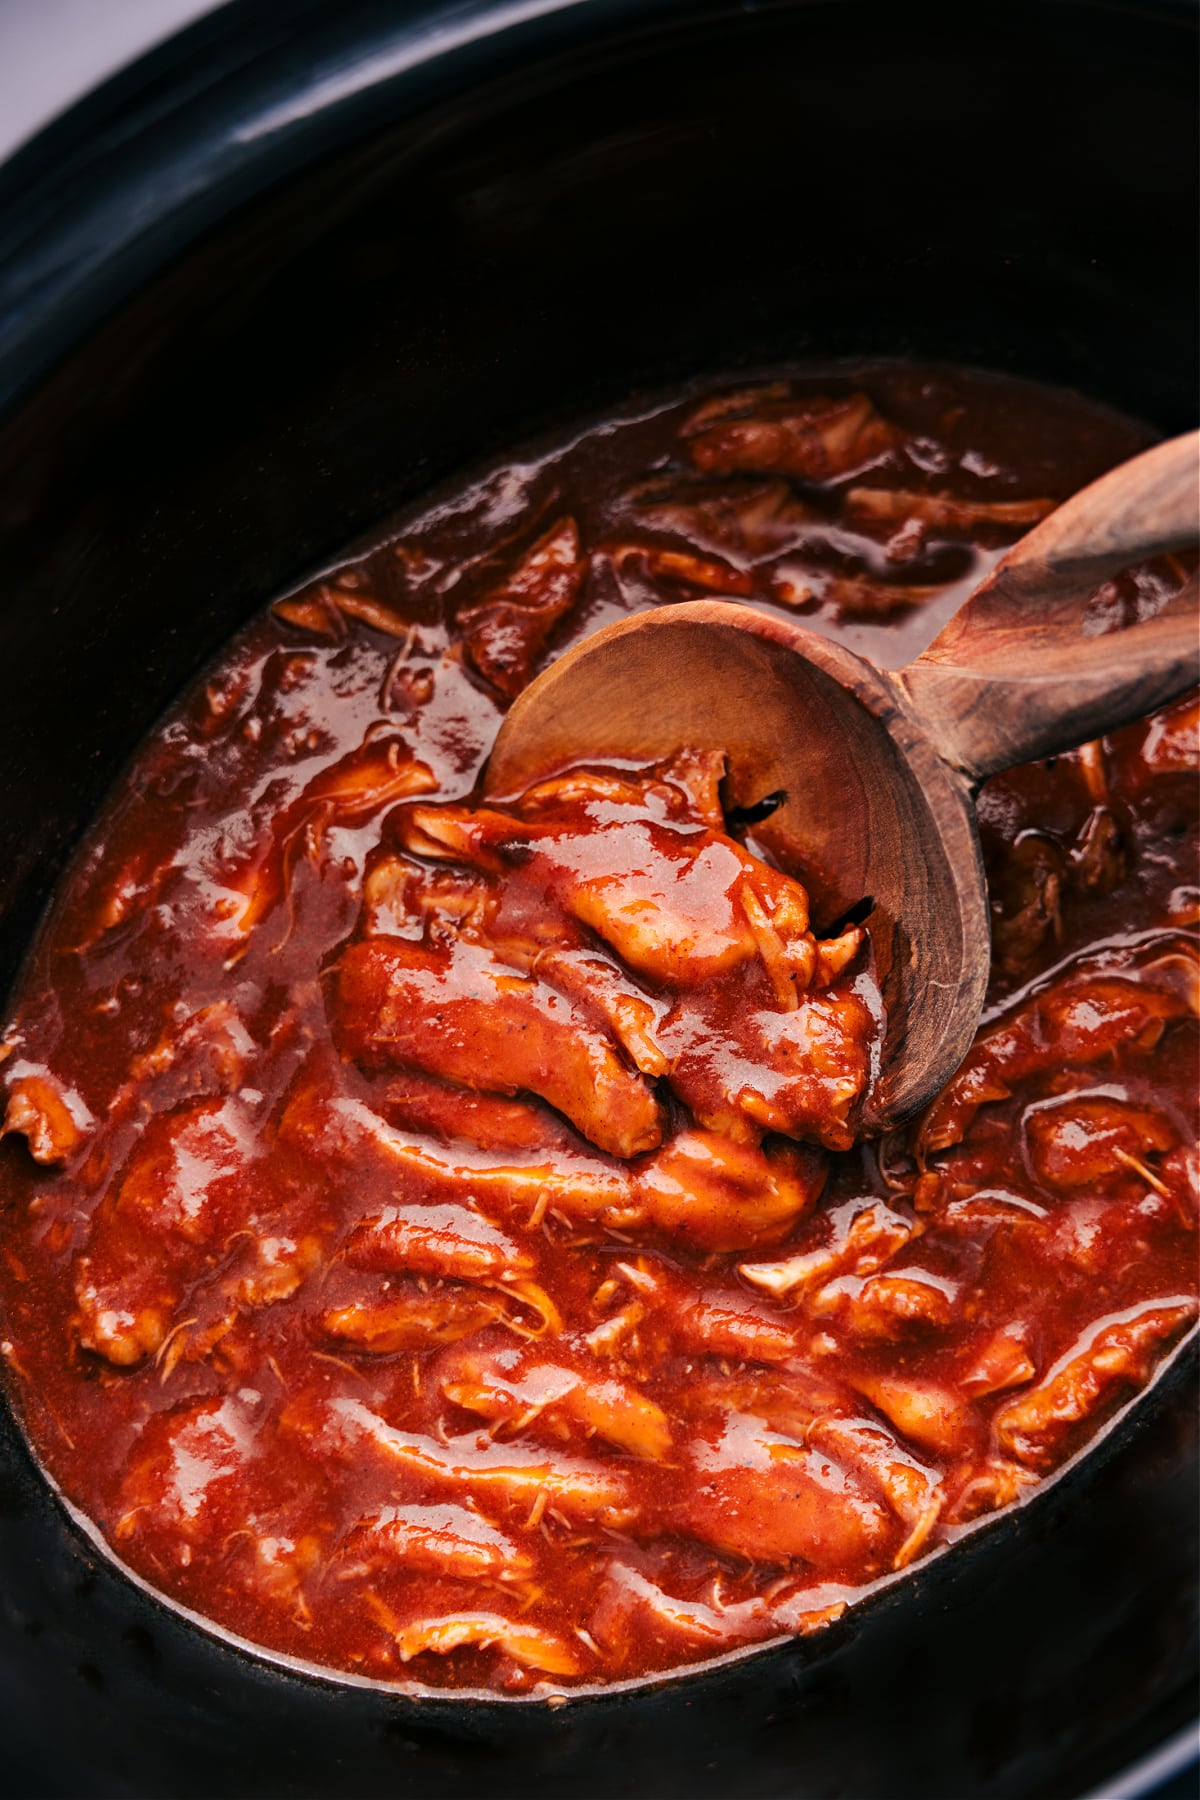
{"points": [[1015, 191]]}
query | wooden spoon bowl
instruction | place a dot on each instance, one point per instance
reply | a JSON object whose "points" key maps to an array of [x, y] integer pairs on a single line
{"points": [[873, 774]]}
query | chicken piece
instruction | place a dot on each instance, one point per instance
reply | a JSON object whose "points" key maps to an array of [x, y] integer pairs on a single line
{"points": [[736, 403], [756, 1494], [787, 964], [1086, 1021], [911, 1490], [433, 1108], [978, 1082], [744, 518], [267, 1269], [1171, 745], [528, 1645], [312, 610], [634, 1611], [579, 787], [666, 897], [1092, 1140], [1091, 761], [347, 1131], [402, 898], [597, 988], [681, 918], [412, 1318], [592, 983], [925, 1412], [698, 1189], [684, 568], [617, 1336], [189, 1478], [1082, 1228], [369, 611], [516, 1479], [182, 1191], [432, 1540], [685, 909], [476, 837], [390, 889], [184, 1176], [376, 775], [275, 1569], [507, 1389], [711, 1321], [1097, 859], [447, 1240], [126, 891], [464, 1019], [982, 1487], [812, 437], [51, 1118], [277, 1268], [890, 1306], [1026, 894], [355, 603], [358, 786], [823, 1415], [789, 1401], [206, 1054], [409, 1318], [506, 630], [322, 608], [799, 1614], [422, 1103], [1081, 1020], [697, 775], [1036, 1428], [1001, 1362], [945, 515], [750, 1070], [686, 787], [702, 1190], [866, 1235]]}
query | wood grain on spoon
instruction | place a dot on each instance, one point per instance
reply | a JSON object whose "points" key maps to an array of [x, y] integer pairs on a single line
{"points": [[878, 771], [1015, 674]]}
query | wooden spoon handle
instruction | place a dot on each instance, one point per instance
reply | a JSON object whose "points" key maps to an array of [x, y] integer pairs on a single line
{"points": [[1017, 674]]}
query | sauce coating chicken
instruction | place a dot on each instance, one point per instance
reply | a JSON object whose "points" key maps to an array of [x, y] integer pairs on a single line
{"points": [[434, 1238]]}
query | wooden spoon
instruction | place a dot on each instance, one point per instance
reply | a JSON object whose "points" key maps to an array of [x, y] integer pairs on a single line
{"points": [[877, 771]]}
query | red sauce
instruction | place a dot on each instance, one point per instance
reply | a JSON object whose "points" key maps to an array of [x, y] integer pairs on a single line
{"points": [[435, 1243]]}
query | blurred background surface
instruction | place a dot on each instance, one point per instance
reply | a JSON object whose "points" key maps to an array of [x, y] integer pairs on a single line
{"points": [[53, 51]]}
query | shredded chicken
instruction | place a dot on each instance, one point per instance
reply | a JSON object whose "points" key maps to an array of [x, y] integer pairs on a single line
{"points": [[509, 1390], [53, 1122], [816, 438], [440, 1239], [438, 1540], [1113, 1355], [513, 1478], [467, 1019], [506, 629]]}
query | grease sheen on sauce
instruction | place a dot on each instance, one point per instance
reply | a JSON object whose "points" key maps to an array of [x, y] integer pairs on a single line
{"points": [[379, 1357]]}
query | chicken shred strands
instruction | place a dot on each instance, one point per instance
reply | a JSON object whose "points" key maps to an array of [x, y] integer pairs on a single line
{"points": [[656, 936], [436, 1244]]}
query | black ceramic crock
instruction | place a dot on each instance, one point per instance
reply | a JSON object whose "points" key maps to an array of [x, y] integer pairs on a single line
{"points": [[280, 277]]}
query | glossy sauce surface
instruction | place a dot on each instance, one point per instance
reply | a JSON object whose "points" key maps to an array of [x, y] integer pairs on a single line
{"points": [[434, 1239]]}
